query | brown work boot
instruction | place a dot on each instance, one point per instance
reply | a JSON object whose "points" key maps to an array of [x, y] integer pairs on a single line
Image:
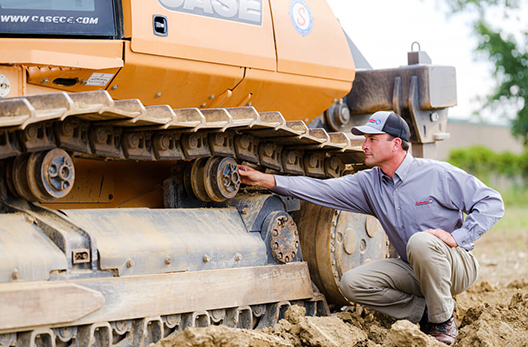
{"points": [[445, 332]]}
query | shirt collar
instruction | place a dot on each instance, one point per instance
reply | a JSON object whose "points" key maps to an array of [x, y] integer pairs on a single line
{"points": [[404, 167], [402, 170]]}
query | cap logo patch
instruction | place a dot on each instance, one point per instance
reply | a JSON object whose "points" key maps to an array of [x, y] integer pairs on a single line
{"points": [[425, 202], [376, 121]]}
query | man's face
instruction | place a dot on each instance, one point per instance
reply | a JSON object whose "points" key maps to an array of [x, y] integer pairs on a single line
{"points": [[378, 149]]}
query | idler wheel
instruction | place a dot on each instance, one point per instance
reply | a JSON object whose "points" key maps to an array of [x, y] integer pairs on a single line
{"points": [[196, 179], [221, 180], [41, 176], [50, 174], [18, 178]]}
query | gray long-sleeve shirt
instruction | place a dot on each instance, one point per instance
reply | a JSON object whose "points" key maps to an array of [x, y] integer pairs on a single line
{"points": [[423, 194]]}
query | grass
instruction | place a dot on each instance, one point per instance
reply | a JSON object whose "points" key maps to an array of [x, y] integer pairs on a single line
{"points": [[509, 234]]}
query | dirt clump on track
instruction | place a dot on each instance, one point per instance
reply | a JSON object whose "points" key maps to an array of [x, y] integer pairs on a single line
{"points": [[493, 312]]}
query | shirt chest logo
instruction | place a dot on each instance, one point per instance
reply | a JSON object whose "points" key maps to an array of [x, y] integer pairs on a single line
{"points": [[424, 202]]}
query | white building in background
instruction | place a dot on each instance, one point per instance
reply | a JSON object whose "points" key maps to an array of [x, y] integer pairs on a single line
{"points": [[467, 134]]}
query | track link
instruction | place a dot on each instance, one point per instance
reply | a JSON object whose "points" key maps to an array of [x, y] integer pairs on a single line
{"points": [[143, 331], [93, 125]]}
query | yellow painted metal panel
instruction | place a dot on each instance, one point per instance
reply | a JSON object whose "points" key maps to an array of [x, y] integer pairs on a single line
{"points": [[181, 83], [297, 97], [314, 45], [88, 54], [202, 38]]}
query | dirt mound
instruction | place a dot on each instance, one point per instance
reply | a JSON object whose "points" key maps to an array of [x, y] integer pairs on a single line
{"points": [[501, 324], [488, 315], [344, 329]]}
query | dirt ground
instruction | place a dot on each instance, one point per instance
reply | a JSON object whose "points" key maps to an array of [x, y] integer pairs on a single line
{"points": [[493, 312]]}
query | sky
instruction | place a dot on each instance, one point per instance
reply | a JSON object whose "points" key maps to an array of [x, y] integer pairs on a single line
{"points": [[383, 30]]}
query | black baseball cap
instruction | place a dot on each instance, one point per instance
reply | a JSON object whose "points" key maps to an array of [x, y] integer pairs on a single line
{"points": [[384, 122]]}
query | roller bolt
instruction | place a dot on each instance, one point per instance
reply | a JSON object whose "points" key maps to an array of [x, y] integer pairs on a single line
{"points": [[344, 115], [31, 132], [206, 258], [168, 260], [275, 232], [268, 150], [275, 245], [291, 158], [67, 128], [238, 257], [193, 141], [129, 263], [334, 164], [245, 142], [101, 135], [220, 139], [313, 161]]}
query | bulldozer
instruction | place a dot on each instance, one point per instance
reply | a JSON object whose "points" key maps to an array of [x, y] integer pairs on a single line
{"points": [[122, 125]]}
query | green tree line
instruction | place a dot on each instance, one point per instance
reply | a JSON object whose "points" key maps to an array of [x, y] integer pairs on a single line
{"points": [[483, 162]]}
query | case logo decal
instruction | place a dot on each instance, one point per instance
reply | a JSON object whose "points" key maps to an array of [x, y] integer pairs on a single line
{"points": [[242, 11], [301, 17]]}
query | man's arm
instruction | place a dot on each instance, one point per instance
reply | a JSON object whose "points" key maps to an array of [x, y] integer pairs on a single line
{"points": [[482, 205], [343, 193]]}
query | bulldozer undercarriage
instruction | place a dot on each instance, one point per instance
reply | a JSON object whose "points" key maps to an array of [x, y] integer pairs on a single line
{"points": [[144, 331], [38, 132], [43, 138]]}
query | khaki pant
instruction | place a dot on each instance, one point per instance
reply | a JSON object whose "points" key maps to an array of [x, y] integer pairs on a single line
{"points": [[402, 290]]}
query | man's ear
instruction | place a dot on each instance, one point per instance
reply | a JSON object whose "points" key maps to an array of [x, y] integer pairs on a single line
{"points": [[397, 143]]}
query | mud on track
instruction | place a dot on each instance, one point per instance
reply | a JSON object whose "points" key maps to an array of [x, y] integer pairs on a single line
{"points": [[493, 312]]}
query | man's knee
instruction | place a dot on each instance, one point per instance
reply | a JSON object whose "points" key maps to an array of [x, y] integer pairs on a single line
{"points": [[349, 285], [421, 244]]}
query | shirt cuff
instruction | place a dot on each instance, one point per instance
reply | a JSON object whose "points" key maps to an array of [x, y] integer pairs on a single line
{"points": [[280, 185], [462, 238]]}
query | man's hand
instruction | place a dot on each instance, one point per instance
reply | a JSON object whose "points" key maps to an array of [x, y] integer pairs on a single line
{"points": [[256, 178], [444, 236]]}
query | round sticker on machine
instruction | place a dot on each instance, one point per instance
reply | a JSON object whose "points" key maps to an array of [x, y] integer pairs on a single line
{"points": [[301, 17]]}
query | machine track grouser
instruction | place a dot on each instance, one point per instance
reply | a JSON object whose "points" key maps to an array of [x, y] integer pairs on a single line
{"points": [[122, 125]]}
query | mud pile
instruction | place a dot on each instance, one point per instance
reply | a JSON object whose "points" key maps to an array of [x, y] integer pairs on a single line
{"points": [[487, 315], [494, 316]]}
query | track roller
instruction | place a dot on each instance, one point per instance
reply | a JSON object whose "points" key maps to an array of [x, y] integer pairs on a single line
{"points": [[41, 176]]}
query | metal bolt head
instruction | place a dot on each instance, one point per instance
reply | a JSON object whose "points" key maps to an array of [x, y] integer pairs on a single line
{"points": [[203, 105], [238, 257], [168, 260], [45, 81], [15, 274], [212, 96], [250, 103], [158, 95], [206, 258], [435, 117], [114, 87], [244, 211], [84, 81], [129, 263]]}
